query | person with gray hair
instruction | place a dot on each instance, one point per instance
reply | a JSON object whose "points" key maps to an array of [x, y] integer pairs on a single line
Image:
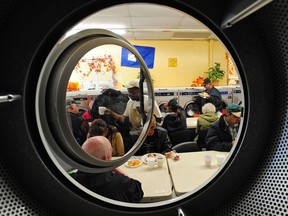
{"points": [[207, 118], [203, 123], [113, 184]]}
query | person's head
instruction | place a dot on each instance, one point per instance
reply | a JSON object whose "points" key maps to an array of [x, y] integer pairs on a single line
{"points": [[233, 114], [208, 108], [133, 90], [72, 106], [98, 127], [207, 84], [152, 127], [98, 147], [172, 105]]}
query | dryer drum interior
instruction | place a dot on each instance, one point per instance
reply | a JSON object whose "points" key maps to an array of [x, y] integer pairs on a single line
{"points": [[31, 184]]}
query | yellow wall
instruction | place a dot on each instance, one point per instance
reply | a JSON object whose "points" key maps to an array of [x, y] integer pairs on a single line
{"points": [[193, 59]]}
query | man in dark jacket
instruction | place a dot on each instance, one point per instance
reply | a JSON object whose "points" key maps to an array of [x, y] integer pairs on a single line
{"points": [[78, 126], [222, 133], [212, 95], [113, 184], [157, 141]]}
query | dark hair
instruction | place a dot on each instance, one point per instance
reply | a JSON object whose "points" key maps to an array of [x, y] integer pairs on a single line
{"points": [[97, 128], [174, 107]]}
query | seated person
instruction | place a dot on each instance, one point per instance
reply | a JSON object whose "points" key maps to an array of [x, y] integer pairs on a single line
{"points": [[222, 133], [132, 111], [175, 118], [157, 141], [206, 119], [99, 128], [78, 126], [112, 184]]}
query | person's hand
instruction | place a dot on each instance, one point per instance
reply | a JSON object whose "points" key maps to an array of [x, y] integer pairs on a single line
{"points": [[108, 111]]}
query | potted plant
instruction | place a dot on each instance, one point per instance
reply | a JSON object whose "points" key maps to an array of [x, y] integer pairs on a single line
{"points": [[215, 73]]}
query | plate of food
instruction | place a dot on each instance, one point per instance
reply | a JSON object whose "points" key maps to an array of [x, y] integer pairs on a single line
{"points": [[155, 155], [133, 163], [204, 94]]}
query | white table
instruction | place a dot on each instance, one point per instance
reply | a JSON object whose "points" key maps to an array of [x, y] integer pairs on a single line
{"points": [[189, 172], [191, 122], [156, 182]]}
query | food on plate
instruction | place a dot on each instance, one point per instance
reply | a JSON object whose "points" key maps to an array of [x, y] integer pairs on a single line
{"points": [[151, 155], [133, 163], [204, 94], [168, 154]]}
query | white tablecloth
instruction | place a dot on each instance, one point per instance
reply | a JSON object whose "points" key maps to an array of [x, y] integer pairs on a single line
{"points": [[156, 182], [190, 172]]}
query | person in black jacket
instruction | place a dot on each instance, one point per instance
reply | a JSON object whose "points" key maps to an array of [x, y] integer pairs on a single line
{"points": [[212, 96], [157, 141], [222, 133], [114, 184], [78, 126], [175, 118]]}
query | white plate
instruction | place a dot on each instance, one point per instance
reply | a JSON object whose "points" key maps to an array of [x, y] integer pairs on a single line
{"points": [[143, 158], [131, 166]]}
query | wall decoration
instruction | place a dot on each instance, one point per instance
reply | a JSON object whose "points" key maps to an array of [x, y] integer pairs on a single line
{"points": [[172, 62], [96, 64], [128, 59]]}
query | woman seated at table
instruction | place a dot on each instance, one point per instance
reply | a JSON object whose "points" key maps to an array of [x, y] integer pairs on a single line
{"points": [[175, 118], [157, 141], [100, 128]]}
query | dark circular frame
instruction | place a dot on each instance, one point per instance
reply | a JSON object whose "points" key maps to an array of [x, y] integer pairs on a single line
{"points": [[247, 50]]}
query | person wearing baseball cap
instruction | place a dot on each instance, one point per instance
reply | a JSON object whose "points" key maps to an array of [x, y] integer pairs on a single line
{"points": [[221, 134], [132, 111], [211, 95], [78, 126]]}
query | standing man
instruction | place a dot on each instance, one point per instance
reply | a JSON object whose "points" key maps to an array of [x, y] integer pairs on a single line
{"points": [[132, 111], [78, 126], [211, 95], [222, 133]]}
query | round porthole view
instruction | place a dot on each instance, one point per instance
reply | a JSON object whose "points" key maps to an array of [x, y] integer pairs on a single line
{"points": [[128, 100]]}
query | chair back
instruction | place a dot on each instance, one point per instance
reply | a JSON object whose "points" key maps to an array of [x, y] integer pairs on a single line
{"points": [[190, 146], [180, 136], [201, 138]]}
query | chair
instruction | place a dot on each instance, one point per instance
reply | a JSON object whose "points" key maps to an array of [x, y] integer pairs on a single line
{"points": [[190, 146], [201, 138], [181, 136]]}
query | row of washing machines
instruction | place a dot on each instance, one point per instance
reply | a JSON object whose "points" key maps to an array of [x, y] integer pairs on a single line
{"points": [[184, 96]]}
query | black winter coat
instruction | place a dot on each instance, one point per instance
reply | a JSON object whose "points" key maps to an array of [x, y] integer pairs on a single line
{"points": [[218, 136]]}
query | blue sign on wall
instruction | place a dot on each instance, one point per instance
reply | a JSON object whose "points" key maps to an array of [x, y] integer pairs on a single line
{"points": [[128, 59]]}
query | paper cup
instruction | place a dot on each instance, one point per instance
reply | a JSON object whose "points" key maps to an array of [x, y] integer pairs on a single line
{"points": [[220, 159], [102, 110], [207, 160], [151, 162], [160, 162]]}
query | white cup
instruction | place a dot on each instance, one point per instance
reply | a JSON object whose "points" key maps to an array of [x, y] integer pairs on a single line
{"points": [[102, 110], [160, 162], [151, 162], [208, 160], [220, 159]]}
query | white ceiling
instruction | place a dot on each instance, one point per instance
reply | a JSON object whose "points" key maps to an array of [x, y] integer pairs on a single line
{"points": [[146, 22]]}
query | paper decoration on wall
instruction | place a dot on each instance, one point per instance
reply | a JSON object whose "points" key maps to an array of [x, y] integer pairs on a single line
{"points": [[230, 65], [128, 59], [96, 64]]}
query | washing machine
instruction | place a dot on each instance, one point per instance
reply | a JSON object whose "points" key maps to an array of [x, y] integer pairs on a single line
{"points": [[237, 95], [185, 99], [226, 94]]}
